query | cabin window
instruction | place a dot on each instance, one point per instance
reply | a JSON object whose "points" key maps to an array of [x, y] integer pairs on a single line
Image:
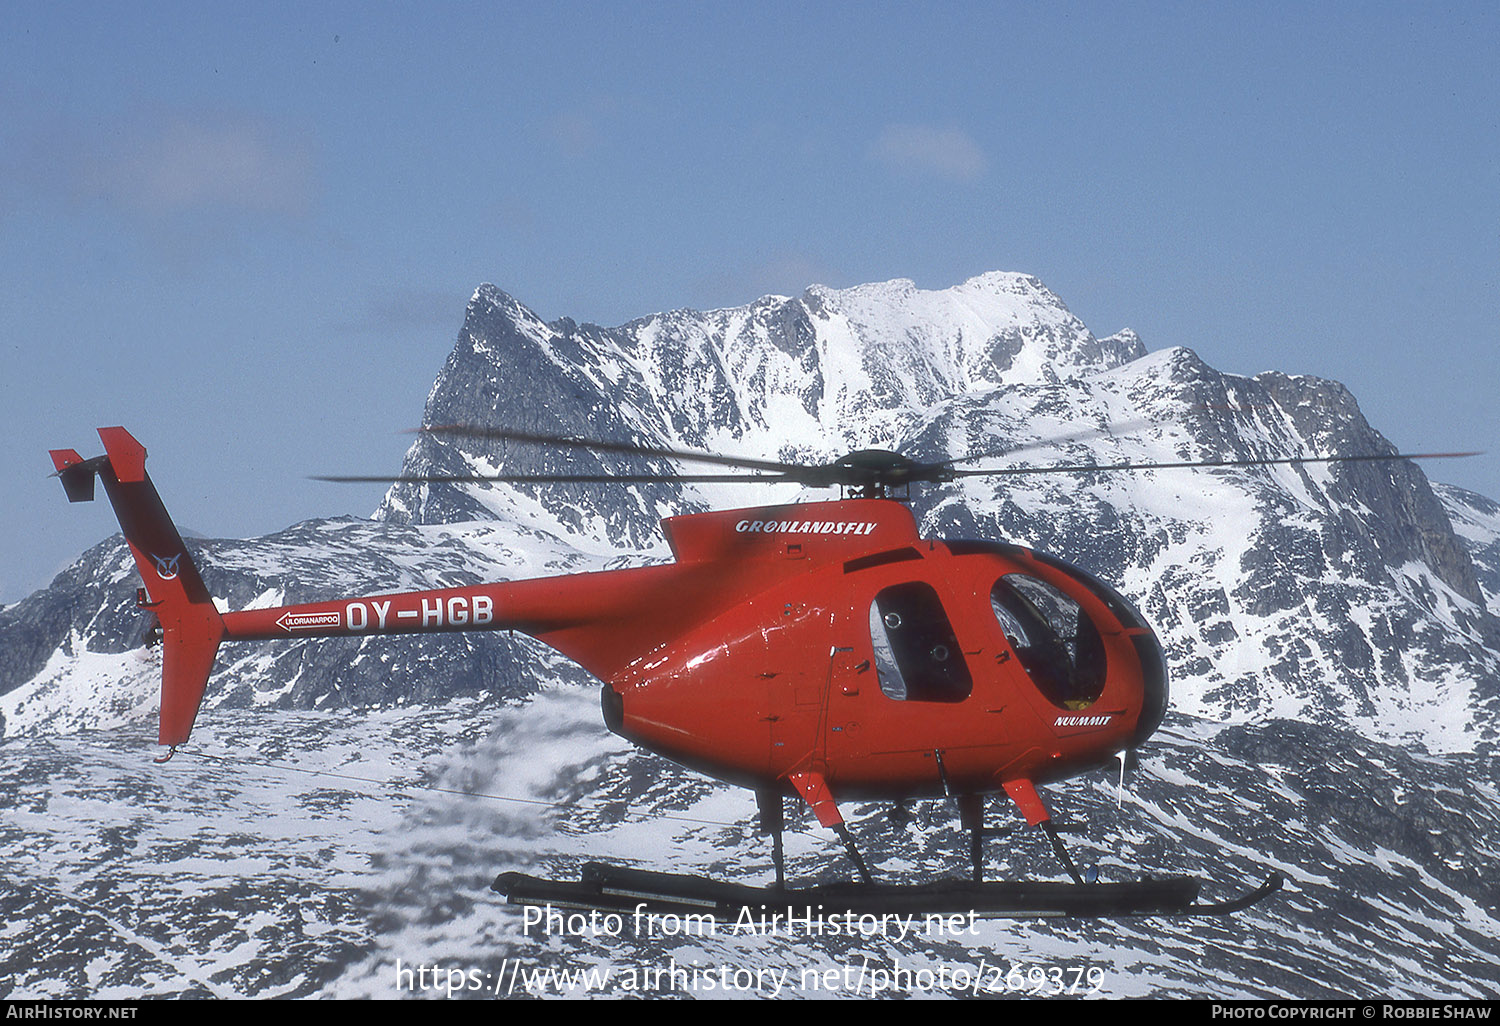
{"points": [[1057, 644], [917, 657]]}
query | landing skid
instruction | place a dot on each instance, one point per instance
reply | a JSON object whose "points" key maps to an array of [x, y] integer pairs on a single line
{"points": [[617, 889]]}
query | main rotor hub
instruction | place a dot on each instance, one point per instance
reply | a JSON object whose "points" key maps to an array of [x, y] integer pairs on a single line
{"points": [[872, 473]]}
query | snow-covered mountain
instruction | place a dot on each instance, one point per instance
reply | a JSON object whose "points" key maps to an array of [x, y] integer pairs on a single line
{"points": [[1331, 632], [1338, 593]]}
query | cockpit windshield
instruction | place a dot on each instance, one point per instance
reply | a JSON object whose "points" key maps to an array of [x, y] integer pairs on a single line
{"points": [[1058, 645]]}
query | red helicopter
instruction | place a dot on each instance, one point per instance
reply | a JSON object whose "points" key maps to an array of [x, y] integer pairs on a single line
{"points": [[822, 651]]}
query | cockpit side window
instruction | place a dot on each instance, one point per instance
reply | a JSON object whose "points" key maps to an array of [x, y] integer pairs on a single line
{"points": [[1057, 644], [917, 657]]}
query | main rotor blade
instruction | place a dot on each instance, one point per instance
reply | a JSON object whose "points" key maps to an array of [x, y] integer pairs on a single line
{"points": [[1087, 468], [627, 448], [555, 478], [1108, 431]]}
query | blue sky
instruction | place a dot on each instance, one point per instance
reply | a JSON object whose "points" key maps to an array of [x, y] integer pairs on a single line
{"points": [[248, 233]]}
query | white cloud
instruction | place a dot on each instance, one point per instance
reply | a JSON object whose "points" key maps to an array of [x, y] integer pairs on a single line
{"points": [[219, 161], [943, 152], [588, 125]]}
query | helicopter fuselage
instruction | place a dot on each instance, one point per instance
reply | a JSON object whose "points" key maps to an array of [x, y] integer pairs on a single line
{"points": [[823, 645]]}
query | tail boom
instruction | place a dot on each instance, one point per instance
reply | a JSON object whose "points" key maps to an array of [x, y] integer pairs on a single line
{"points": [[599, 620]]}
